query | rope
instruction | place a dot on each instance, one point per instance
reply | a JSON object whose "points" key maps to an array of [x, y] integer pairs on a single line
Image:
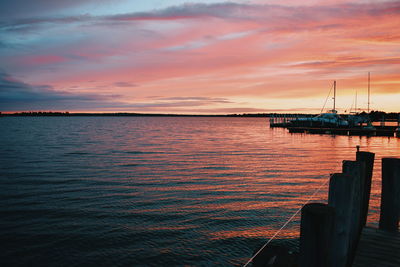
{"points": [[286, 223]]}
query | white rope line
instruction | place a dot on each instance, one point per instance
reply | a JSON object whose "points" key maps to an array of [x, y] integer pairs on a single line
{"points": [[286, 223]]}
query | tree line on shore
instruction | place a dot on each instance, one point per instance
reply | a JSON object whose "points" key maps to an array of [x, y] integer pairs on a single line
{"points": [[374, 115]]}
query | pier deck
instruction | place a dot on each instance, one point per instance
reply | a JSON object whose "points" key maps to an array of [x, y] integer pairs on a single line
{"points": [[378, 248]]}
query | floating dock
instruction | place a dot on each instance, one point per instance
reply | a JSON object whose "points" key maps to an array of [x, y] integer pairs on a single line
{"points": [[357, 131]]}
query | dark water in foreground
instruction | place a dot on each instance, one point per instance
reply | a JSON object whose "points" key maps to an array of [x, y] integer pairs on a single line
{"points": [[162, 191]]}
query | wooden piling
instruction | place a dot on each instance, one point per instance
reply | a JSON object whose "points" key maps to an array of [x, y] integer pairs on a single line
{"points": [[357, 170], [317, 221], [341, 189], [368, 159], [390, 198]]}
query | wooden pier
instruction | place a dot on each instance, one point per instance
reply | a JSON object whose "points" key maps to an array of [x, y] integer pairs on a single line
{"points": [[334, 234], [378, 248]]}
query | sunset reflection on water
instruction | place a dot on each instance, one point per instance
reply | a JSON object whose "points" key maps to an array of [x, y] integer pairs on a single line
{"points": [[287, 171], [170, 190]]}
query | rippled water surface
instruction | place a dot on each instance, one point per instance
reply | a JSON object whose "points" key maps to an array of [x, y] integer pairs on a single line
{"points": [[159, 191]]}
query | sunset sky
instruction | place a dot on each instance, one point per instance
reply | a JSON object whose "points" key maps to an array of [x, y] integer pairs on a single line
{"points": [[198, 57]]}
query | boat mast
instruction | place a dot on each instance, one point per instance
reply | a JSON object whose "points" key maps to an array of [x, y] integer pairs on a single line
{"points": [[356, 101], [368, 89], [334, 96]]}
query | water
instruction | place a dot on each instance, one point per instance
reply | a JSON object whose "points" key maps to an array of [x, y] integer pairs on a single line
{"points": [[159, 191]]}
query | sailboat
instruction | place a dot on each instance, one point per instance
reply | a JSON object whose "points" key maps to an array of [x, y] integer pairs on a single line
{"points": [[358, 119], [330, 119]]}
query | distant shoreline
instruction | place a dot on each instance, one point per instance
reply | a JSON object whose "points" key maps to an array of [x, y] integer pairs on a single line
{"points": [[374, 115], [127, 114]]}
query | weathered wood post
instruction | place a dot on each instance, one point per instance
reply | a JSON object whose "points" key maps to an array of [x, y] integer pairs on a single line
{"points": [[368, 159], [390, 198], [341, 189], [357, 170], [317, 221]]}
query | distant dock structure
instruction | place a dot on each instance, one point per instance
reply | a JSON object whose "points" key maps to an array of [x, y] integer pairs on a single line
{"points": [[331, 122], [383, 127]]}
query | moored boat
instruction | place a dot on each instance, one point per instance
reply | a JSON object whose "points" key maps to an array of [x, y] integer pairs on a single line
{"points": [[330, 119]]}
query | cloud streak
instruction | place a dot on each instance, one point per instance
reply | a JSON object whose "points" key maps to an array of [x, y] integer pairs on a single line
{"points": [[295, 16], [17, 95]]}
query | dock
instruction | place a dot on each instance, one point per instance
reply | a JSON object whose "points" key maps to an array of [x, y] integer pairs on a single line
{"points": [[335, 234], [356, 131], [378, 248], [289, 122]]}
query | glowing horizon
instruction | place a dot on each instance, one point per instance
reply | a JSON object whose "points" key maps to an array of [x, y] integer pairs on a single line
{"points": [[187, 57]]}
